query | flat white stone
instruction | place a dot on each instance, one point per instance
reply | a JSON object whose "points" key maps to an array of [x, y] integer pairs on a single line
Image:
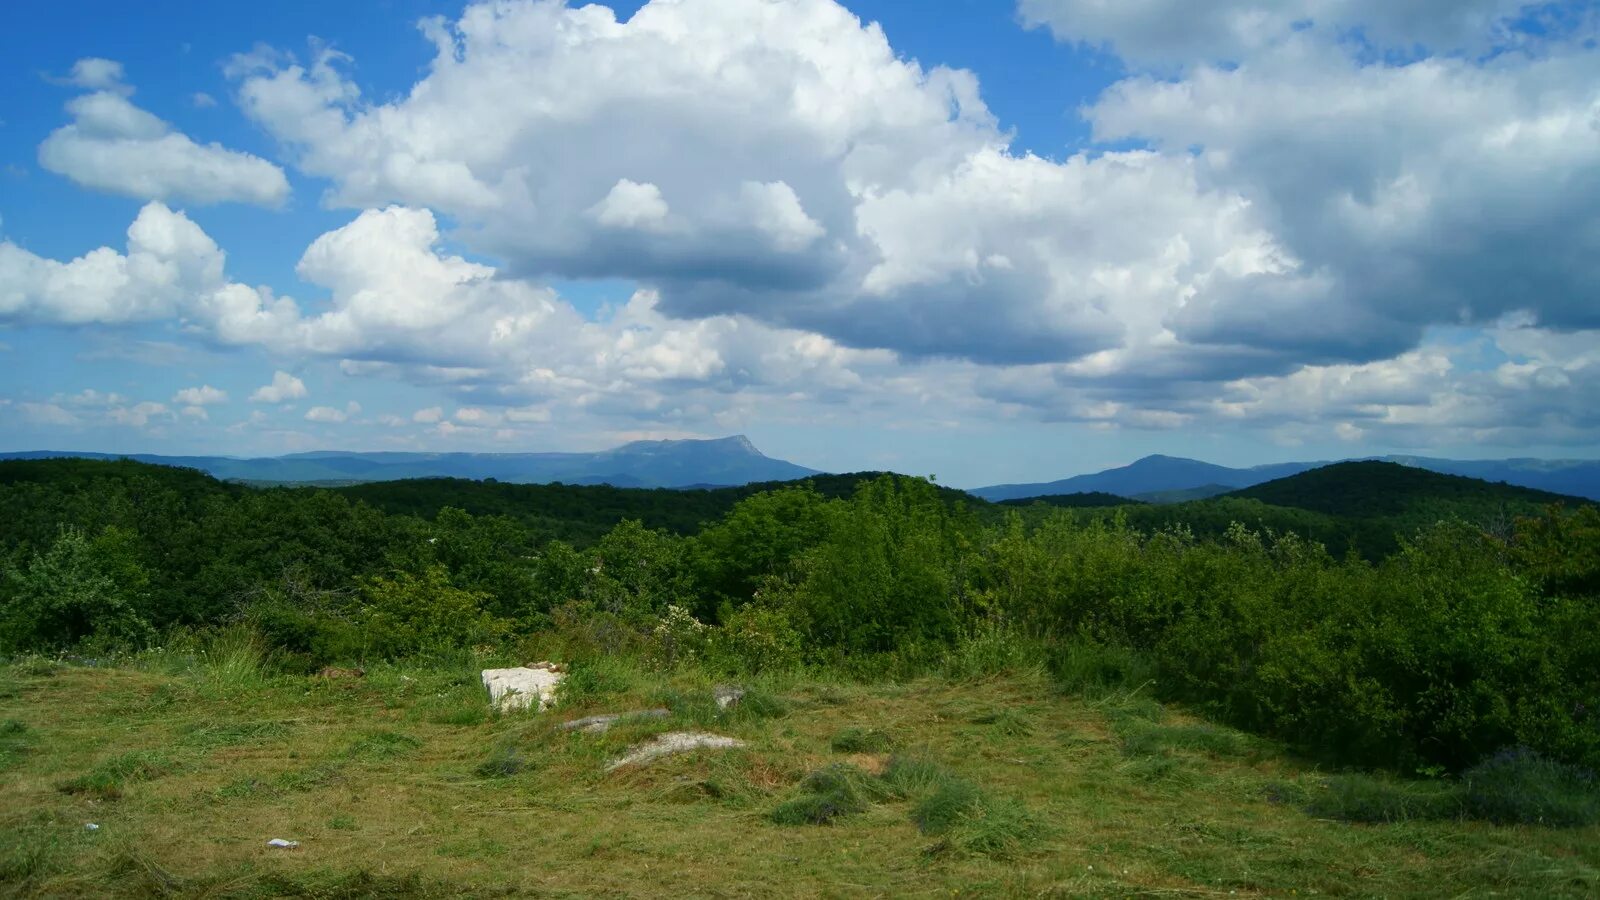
{"points": [[522, 687], [674, 742], [602, 723]]}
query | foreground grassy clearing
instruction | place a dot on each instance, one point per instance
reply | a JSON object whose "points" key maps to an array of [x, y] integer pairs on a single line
{"points": [[400, 785]]}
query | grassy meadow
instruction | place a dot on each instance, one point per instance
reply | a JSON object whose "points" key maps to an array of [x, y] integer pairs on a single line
{"points": [[961, 783]]}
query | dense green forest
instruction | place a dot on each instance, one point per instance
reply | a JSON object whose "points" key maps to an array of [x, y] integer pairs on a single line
{"points": [[1477, 631]]}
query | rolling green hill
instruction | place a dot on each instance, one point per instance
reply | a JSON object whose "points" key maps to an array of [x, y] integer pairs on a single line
{"points": [[1372, 489], [1084, 500]]}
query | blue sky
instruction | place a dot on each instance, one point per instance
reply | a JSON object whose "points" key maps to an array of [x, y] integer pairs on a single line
{"points": [[985, 241]]}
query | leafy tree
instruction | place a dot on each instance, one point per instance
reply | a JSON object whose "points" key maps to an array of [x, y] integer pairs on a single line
{"points": [[80, 589]]}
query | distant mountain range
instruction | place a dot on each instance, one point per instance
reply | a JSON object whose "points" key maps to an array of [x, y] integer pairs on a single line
{"points": [[725, 461], [734, 461], [1163, 479]]}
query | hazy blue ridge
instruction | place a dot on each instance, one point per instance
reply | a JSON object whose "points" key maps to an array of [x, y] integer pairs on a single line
{"points": [[1168, 478], [725, 461]]}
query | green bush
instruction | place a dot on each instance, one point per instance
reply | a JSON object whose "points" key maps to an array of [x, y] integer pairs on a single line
{"points": [[1519, 786], [80, 590]]}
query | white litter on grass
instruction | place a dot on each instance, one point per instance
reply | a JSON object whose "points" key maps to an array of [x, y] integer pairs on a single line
{"points": [[674, 742], [90, 826], [280, 842], [521, 687]]}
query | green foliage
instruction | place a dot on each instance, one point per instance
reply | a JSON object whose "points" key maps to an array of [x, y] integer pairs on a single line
{"points": [[1521, 787], [80, 589], [638, 573], [887, 576], [407, 614], [1513, 787], [759, 539], [755, 639], [1440, 629]]}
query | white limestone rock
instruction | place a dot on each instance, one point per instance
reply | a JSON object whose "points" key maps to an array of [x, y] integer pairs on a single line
{"points": [[602, 723], [674, 742], [523, 686]]}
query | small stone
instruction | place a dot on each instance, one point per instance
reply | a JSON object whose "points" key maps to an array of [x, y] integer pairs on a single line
{"points": [[727, 695]]}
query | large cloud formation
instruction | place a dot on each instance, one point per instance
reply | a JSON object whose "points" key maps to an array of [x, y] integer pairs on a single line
{"points": [[1289, 213]]}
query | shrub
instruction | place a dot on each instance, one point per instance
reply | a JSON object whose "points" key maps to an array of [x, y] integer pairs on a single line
{"points": [[406, 614], [1519, 786], [79, 590], [755, 639]]}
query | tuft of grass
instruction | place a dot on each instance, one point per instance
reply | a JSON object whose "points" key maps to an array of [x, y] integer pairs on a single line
{"points": [[382, 745], [830, 793], [912, 776], [757, 705], [108, 780], [996, 827], [15, 742], [1147, 739], [970, 820], [212, 736], [861, 740], [233, 663], [1378, 799], [993, 648], [1006, 721], [598, 679], [460, 707], [1095, 670], [942, 808], [1518, 786], [503, 762]]}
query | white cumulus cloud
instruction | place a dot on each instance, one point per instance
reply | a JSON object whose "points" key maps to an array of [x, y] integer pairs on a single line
{"points": [[112, 145], [284, 387], [204, 395]]}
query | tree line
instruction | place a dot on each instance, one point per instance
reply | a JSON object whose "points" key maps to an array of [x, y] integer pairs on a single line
{"points": [[1463, 641]]}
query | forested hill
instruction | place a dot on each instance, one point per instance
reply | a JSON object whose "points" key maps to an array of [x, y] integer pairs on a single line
{"points": [[1083, 500], [1373, 489], [581, 513]]}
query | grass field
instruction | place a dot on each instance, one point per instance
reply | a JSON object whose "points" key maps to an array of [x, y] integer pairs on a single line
{"points": [[401, 784]]}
